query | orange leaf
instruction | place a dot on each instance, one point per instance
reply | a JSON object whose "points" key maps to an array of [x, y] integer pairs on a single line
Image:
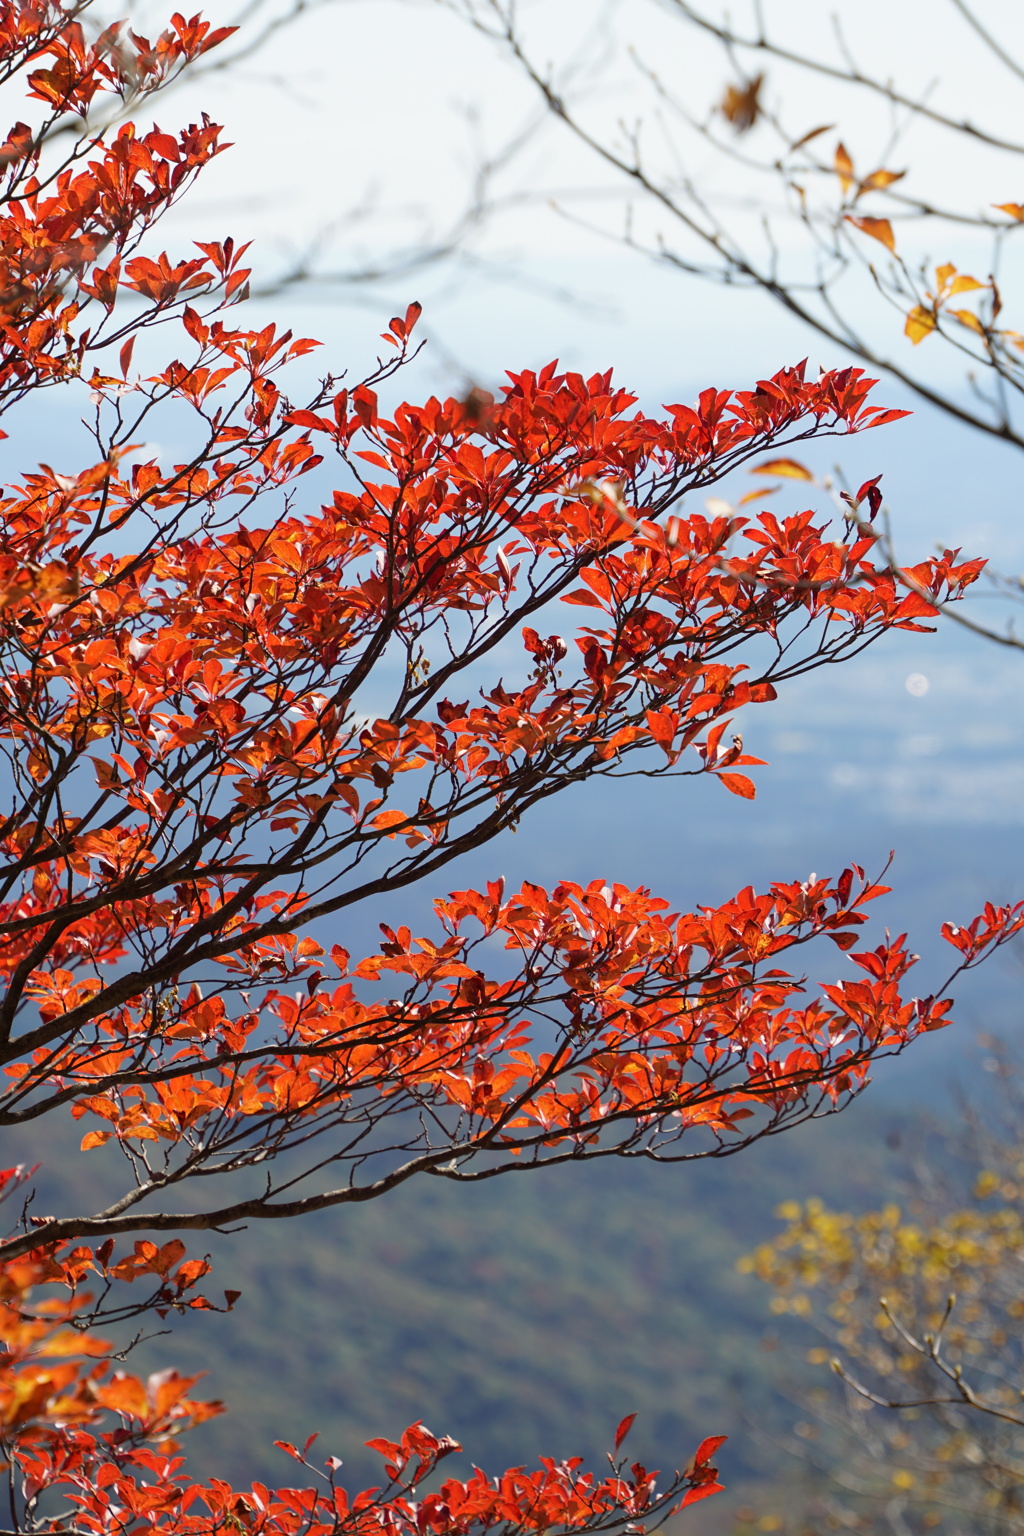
{"points": [[813, 134], [787, 468], [584, 598], [1015, 210], [739, 784], [843, 167], [740, 105], [389, 819], [759, 494], [168, 1256], [124, 1394], [879, 180], [878, 229]]}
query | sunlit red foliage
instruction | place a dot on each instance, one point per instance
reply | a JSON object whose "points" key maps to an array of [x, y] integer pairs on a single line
{"points": [[59, 1394], [217, 741], [229, 713]]}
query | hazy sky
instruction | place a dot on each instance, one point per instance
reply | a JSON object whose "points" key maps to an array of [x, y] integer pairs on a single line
{"points": [[364, 125]]}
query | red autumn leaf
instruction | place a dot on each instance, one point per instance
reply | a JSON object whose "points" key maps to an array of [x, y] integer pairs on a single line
{"points": [[738, 784], [707, 1449], [701, 1491], [624, 1428]]}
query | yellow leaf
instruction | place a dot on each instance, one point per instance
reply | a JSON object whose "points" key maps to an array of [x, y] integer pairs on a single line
{"points": [[759, 494], [1015, 210], [879, 180], [787, 468], [920, 323], [951, 281], [970, 320], [844, 168], [878, 229]]}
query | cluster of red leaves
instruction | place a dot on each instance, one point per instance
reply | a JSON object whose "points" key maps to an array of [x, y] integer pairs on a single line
{"points": [[149, 1489], [221, 672], [98, 199], [684, 1017], [56, 1376], [202, 700]]}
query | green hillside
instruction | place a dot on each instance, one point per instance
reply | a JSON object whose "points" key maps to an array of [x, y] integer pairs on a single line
{"points": [[523, 1316]]}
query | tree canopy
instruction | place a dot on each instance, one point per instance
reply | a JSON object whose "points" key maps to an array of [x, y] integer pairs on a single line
{"points": [[230, 714]]}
